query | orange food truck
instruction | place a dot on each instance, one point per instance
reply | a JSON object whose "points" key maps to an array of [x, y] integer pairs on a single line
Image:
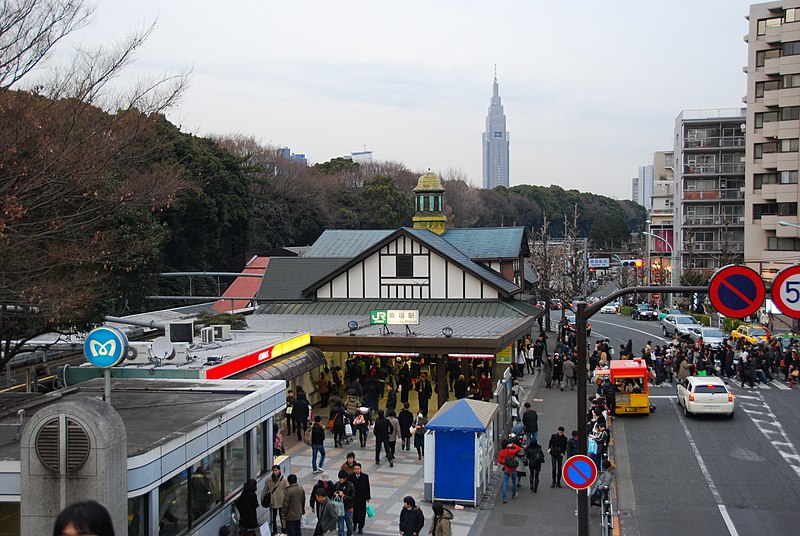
{"points": [[632, 379]]}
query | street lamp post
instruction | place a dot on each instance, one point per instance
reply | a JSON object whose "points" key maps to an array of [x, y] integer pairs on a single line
{"points": [[787, 224], [671, 259], [649, 263]]}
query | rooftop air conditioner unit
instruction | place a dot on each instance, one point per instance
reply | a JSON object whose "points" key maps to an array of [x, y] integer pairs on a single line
{"points": [[181, 356], [180, 331], [222, 332], [207, 335], [138, 353]]}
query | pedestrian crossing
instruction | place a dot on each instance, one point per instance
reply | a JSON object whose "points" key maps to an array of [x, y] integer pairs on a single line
{"points": [[773, 385]]}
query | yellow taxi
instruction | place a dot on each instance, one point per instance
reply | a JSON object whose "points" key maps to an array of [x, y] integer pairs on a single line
{"points": [[751, 333]]}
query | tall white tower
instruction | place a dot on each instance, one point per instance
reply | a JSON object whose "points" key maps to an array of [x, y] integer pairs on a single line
{"points": [[495, 143]]}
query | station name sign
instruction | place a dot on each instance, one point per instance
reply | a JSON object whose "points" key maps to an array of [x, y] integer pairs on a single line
{"points": [[394, 317]]}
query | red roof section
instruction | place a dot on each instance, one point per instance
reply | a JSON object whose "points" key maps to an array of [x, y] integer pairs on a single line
{"points": [[243, 286]]}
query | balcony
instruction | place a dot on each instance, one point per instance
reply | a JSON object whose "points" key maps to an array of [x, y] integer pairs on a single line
{"points": [[713, 169], [716, 246], [715, 220], [714, 141], [729, 194]]}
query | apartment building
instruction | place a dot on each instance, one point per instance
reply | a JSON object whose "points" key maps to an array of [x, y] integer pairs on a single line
{"points": [[709, 150], [662, 215], [772, 238]]}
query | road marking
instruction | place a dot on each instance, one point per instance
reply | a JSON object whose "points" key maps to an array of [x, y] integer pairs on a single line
{"points": [[663, 396], [785, 447], [713, 487]]}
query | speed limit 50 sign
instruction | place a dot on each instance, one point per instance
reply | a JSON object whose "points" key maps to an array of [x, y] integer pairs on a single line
{"points": [[786, 291]]}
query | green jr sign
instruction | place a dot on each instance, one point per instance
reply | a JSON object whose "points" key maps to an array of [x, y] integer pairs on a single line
{"points": [[378, 316]]}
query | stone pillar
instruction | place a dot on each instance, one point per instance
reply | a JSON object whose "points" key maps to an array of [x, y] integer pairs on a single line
{"points": [[73, 451]]}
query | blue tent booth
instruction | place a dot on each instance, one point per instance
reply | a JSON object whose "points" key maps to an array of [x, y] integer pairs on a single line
{"points": [[461, 437]]}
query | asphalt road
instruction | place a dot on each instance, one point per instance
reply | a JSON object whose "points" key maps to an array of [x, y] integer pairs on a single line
{"points": [[706, 475]]}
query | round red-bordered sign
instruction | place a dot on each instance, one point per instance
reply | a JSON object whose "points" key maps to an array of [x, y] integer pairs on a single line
{"points": [[579, 472], [736, 291], [786, 291]]}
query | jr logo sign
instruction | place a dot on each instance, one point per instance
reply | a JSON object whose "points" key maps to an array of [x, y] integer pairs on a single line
{"points": [[378, 316]]}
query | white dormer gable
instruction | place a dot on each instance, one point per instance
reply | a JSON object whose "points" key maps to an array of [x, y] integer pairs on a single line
{"points": [[406, 269]]}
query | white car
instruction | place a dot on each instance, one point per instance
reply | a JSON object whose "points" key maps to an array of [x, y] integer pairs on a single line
{"points": [[711, 336], [705, 394], [680, 325], [609, 308]]}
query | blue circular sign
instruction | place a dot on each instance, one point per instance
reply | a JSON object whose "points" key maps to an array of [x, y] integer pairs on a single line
{"points": [[105, 347], [579, 472]]}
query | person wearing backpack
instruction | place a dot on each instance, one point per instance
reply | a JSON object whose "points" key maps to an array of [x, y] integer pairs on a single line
{"points": [[535, 457], [507, 458]]}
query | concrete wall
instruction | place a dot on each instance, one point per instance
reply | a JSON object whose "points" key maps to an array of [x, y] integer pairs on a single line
{"points": [[103, 477]]}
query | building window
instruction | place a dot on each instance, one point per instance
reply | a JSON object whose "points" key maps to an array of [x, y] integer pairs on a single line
{"points": [[792, 14], [788, 177], [763, 55], [792, 48], [767, 85], [405, 266], [173, 503], [235, 459], [137, 516], [763, 24], [790, 146], [261, 449], [760, 149], [790, 80], [774, 209], [775, 243], [790, 113], [205, 485], [765, 117], [760, 179]]}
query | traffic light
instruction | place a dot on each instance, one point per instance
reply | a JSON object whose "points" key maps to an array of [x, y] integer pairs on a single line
{"points": [[633, 263]]}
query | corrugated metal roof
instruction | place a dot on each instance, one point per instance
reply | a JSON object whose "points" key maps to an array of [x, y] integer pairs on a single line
{"points": [[437, 243], [487, 243], [442, 308], [465, 327], [346, 242], [243, 286], [287, 277]]}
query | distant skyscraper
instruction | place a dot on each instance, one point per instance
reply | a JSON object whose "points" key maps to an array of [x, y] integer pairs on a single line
{"points": [[495, 143]]}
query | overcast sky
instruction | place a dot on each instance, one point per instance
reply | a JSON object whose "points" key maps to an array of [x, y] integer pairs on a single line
{"points": [[590, 88]]}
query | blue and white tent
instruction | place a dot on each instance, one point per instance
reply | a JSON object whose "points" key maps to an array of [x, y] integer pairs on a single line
{"points": [[459, 437]]}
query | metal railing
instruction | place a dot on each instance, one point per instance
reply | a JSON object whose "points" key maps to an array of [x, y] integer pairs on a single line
{"points": [[716, 219], [712, 168], [721, 193], [713, 141]]}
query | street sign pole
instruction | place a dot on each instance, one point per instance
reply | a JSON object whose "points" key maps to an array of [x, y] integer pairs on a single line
{"points": [[582, 315], [580, 328]]}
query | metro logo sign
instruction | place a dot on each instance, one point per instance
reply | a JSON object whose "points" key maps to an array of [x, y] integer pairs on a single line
{"points": [[240, 364]]}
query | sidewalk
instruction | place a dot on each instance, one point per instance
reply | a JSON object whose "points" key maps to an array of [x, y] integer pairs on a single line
{"points": [[388, 484], [548, 512]]}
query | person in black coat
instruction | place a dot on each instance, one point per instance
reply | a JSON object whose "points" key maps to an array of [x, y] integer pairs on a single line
{"points": [[424, 392], [460, 387], [360, 481], [300, 410], [406, 419], [535, 458], [530, 419], [391, 398], [382, 429], [557, 447], [247, 506], [412, 520]]}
